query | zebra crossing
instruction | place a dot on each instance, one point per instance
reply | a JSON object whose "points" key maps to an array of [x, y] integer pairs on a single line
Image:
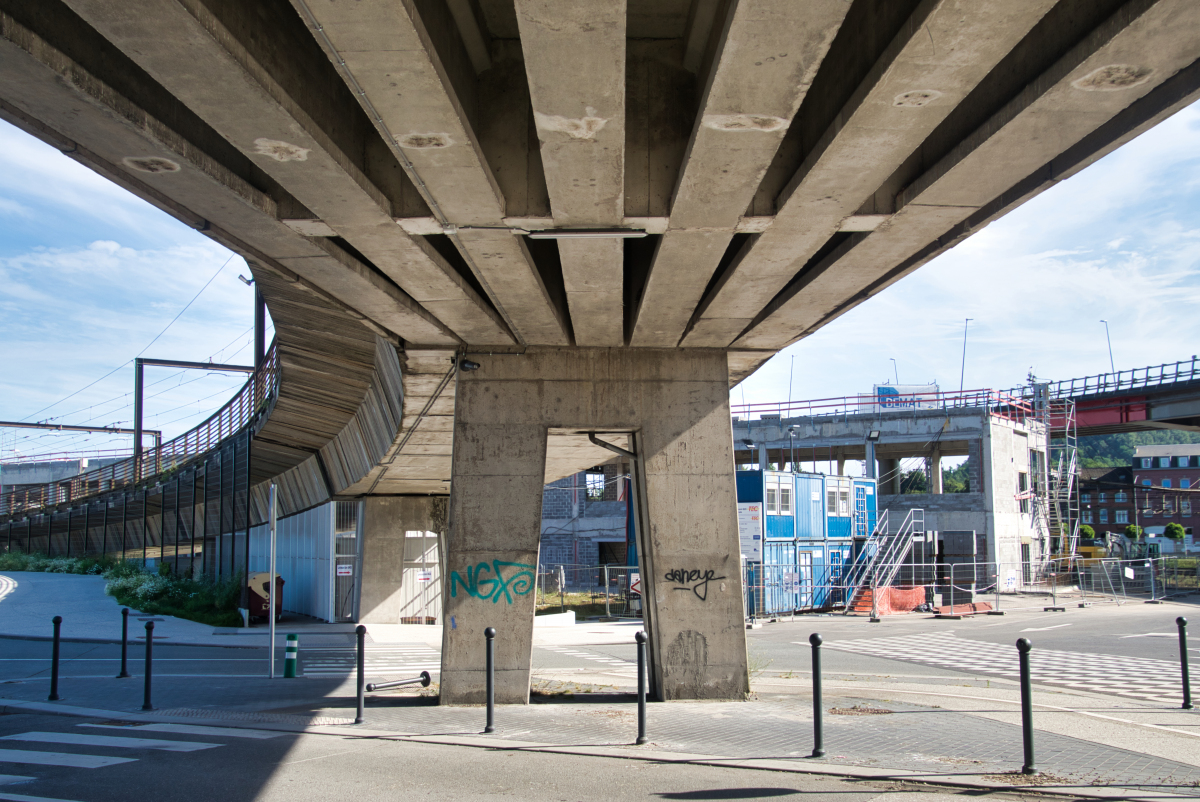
{"points": [[1114, 675], [131, 740], [340, 661], [599, 659]]}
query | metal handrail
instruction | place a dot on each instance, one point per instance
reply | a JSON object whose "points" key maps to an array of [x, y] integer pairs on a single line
{"points": [[240, 410], [1013, 403], [1003, 403]]}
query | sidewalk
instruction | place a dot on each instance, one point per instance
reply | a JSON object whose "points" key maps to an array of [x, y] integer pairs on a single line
{"points": [[959, 731]]}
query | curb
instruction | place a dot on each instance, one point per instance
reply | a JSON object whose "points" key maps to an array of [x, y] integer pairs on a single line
{"points": [[626, 752]]}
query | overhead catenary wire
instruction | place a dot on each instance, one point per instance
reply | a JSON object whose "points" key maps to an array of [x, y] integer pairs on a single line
{"points": [[139, 353]]}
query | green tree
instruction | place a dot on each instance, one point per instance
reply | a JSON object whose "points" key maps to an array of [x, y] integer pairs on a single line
{"points": [[1087, 531], [1133, 532], [1117, 449], [914, 482], [1174, 531], [955, 480]]}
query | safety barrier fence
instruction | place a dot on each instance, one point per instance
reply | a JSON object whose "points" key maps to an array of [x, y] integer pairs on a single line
{"points": [[953, 586], [255, 395], [610, 590]]}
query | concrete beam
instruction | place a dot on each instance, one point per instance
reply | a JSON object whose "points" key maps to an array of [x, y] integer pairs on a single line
{"points": [[54, 98], [575, 61], [770, 51], [382, 44], [1120, 62], [191, 53], [941, 54]]}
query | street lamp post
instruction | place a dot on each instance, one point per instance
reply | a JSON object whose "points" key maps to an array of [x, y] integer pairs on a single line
{"points": [[1111, 364], [963, 373]]}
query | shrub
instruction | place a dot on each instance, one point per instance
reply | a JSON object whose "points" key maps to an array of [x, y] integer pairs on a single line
{"points": [[1087, 531], [204, 599], [1133, 532], [1174, 531]]}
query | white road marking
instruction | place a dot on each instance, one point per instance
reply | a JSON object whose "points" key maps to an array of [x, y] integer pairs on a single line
{"points": [[61, 759], [1152, 635], [1043, 629], [7, 586], [191, 729], [7, 779], [27, 798], [83, 739]]}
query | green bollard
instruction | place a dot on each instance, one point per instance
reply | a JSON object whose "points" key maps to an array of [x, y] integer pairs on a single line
{"points": [[290, 655]]}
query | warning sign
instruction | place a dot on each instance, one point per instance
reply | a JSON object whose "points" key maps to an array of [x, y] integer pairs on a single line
{"points": [[635, 583]]}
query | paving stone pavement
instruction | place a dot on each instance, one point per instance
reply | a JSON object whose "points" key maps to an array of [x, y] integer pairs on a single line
{"points": [[910, 737]]}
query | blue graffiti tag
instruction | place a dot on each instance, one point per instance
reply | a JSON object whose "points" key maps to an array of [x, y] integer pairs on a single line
{"points": [[493, 587]]}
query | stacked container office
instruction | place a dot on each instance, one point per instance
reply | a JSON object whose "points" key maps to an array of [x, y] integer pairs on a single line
{"points": [[811, 524]]}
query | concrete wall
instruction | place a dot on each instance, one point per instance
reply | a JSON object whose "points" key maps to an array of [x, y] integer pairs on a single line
{"points": [[677, 405], [386, 520]]}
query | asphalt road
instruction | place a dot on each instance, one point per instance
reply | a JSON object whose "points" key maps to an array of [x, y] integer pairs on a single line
{"points": [[91, 760]]}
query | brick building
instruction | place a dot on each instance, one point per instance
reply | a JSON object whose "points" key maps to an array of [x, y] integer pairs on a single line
{"points": [[1160, 486]]}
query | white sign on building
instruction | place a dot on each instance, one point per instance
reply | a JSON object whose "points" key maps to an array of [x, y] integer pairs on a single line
{"points": [[887, 397], [750, 529]]}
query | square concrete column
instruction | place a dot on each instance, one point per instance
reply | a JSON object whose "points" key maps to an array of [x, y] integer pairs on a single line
{"points": [[676, 404], [386, 520], [935, 472]]}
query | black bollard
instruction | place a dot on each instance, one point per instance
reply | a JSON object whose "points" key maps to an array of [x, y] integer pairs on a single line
{"points": [[149, 665], [1023, 646], [641, 655], [57, 621], [1181, 622], [490, 635], [818, 728], [361, 632], [124, 643]]}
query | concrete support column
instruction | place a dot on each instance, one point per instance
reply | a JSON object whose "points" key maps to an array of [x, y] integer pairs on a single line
{"points": [[385, 522], [889, 471], [762, 457], [935, 472], [841, 463], [676, 405], [869, 467]]}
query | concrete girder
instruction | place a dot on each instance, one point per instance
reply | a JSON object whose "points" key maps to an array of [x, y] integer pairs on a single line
{"points": [[57, 100], [231, 91], [943, 52], [769, 53], [575, 62], [1061, 107], [382, 45]]}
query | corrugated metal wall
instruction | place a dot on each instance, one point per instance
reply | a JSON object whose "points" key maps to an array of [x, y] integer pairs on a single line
{"points": [[303, 557]]}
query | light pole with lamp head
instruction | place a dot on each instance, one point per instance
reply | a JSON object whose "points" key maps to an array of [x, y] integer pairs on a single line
{"points": [[895, 368], [962, 375]]}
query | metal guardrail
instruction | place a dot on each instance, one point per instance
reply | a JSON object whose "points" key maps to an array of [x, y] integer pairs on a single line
{"points": [[1013, 403], [1009, 404], [239, 411], [1138, 378]]}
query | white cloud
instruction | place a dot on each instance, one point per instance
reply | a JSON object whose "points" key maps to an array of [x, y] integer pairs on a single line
{"points": [[1120, 241]]}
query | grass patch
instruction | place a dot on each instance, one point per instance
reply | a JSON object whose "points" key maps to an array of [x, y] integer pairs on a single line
{"points": [[584, 604]]}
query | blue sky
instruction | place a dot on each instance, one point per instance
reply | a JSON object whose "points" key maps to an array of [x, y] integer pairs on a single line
{"points": [[91, 275], [1119, 241]]}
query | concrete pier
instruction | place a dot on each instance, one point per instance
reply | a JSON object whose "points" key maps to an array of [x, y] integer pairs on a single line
{"points": [[673, 407]]}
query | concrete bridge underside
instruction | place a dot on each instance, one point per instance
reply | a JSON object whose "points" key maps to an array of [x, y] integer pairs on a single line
{"points": [[398, 174]]}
